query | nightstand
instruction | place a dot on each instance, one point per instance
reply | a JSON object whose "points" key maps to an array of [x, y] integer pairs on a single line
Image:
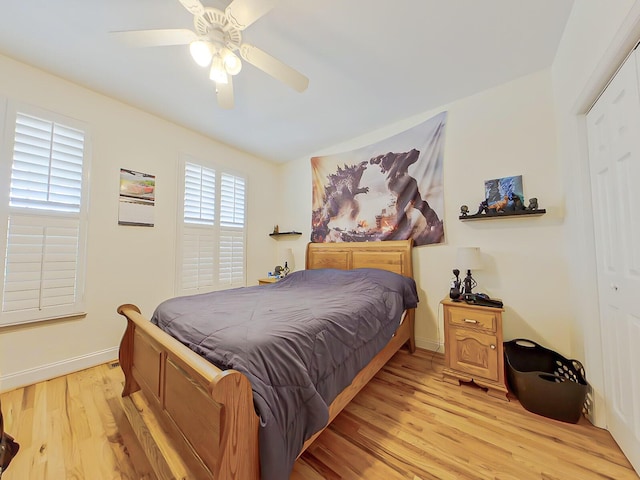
{"points": [[266, 281], [473, 346]]}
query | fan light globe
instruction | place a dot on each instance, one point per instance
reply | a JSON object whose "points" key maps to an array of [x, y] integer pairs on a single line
{"points": [[232, 63], [202, 52], [217, 73]]}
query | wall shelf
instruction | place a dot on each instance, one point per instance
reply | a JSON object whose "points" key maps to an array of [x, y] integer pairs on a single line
{"points": [[285, 234], [490, 216]]}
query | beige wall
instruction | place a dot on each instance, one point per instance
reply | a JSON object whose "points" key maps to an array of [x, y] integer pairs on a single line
{"points": [[125, 264], [505, 131], [596, 40]]}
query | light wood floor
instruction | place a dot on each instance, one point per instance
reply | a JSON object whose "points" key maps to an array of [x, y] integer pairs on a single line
{"points": [[406, 424]]}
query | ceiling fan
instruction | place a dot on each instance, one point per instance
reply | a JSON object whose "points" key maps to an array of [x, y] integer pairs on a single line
{"points": [[217, 40]]}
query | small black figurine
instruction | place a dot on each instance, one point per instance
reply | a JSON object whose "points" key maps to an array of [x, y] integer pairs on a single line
{"points": [[517, 203], [483, 207], [464, 210], [454, 291], [469, 283], [511, 206], [533, 204]]}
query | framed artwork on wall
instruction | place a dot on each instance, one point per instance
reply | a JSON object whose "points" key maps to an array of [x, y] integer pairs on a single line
{"points": [[504, 194], [137, 198]]}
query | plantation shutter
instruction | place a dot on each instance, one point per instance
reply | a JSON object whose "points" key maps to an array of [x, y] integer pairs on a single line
{"points": [[232, 235], [213, 233], [199, 195], [47, 165], [44, 255], [198, 242], [232, 201], [231, 269], [198, 259], [41, 263]]}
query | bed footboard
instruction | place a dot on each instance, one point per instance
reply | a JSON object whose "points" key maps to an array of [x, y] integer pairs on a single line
{"points": [[187, 406]]}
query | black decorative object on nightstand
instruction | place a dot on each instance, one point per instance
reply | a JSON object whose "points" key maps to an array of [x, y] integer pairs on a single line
{"points": [[454, 291]]}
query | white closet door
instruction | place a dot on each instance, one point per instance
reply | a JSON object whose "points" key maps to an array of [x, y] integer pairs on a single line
{"points": [[614, 157]]}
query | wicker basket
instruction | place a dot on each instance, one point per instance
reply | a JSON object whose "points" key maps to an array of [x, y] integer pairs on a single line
{"points": [[544, 381]]}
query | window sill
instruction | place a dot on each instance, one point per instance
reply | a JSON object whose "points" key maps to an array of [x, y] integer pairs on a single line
{"points": [[18, 323]]}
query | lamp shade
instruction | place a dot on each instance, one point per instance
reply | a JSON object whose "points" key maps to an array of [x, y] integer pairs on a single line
{"points": [[469, 258]]}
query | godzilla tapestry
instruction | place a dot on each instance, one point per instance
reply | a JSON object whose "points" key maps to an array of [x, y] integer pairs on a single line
{"points": [[391, 190]]}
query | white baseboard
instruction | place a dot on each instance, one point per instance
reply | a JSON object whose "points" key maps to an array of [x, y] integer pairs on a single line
{"points": [[56, 369], [429, 344]]}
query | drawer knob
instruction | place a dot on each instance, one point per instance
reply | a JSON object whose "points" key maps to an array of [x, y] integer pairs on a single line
{"points": [[468, 320], [493, 347]]}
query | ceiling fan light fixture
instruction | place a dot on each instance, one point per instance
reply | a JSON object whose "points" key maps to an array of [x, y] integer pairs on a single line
{"points": [[202, 52], [232, 63], [217, 73], [216, 43]]}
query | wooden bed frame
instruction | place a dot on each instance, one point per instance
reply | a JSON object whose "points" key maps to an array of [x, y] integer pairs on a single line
{"points": [[196, 421]]}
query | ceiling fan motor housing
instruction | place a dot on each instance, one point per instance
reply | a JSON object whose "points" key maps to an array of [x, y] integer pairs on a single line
{"points": [[214, 26]]}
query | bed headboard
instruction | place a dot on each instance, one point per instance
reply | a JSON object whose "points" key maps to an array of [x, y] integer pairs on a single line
{"points": [[393, 255]]}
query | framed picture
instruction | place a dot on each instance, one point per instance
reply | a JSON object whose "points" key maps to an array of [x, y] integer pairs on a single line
{"points": [[501, 193], [137, 198]]}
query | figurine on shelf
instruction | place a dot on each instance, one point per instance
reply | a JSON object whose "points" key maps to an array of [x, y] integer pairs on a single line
{"points": [[276, 229], [464, 210], [533, 204], [482, 208], [517, 203], [499, 206]]}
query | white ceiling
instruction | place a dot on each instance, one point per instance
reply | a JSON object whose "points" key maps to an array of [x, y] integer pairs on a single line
{"points": [[370, 62]]}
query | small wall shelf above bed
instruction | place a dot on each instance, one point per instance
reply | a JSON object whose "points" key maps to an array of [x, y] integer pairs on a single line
{"points": [[284, 234], [488, 216]]}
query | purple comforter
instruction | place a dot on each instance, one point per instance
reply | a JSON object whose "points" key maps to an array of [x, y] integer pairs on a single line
{"points": [[300, 342]]}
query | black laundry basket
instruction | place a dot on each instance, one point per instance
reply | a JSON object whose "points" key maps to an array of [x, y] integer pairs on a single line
{"points": [[544, 381]]}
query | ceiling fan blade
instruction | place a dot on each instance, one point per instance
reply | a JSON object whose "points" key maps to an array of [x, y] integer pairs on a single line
{"points": [[224, 92], [194, 7], [156, 38], [274, 67], [242, 13]]}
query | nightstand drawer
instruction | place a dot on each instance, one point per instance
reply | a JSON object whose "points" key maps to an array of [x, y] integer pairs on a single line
{"points": [[472, 318]]}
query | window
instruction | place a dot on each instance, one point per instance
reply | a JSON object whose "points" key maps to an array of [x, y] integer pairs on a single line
{"points": [[43, 218], [212, 233]]}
